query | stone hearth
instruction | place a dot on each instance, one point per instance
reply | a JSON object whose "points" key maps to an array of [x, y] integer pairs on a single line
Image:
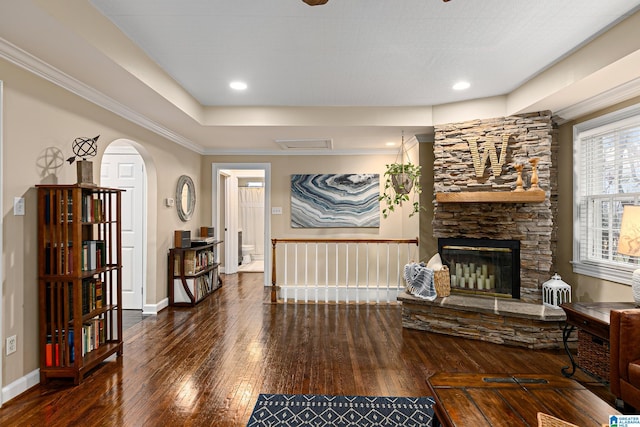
{"points": [[496, 320]]}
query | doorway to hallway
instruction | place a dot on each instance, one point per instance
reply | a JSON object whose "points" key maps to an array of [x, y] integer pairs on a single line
{"points": [[229, 180]]}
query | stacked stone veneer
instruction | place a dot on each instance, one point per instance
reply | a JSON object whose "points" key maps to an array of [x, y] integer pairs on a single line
{"points": [[503, 321], [533, 224], [525, 322]]}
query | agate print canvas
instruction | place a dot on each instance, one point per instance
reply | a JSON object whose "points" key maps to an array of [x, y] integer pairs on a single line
{"points": [[335, 200]]}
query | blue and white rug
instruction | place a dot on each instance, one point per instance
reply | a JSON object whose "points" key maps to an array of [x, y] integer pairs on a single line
{"points": [[322, 410]]}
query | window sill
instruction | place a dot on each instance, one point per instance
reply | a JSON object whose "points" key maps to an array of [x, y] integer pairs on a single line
{"points": [[604, 272]]}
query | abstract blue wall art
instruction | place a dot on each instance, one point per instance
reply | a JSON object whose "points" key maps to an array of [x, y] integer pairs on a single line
{"points": [[335, 200]]}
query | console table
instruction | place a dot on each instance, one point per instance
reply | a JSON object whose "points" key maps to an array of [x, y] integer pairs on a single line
{"points": [[592, 321], [193, 273]]}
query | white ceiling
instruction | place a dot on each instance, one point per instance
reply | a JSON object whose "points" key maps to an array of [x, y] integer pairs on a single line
{"points": [[357, 72], [357, 52]]}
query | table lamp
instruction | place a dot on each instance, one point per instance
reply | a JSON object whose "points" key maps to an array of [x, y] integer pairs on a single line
{"points": [[629, 243]]}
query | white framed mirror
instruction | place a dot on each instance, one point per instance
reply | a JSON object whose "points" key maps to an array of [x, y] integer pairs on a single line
{"points": [[185, 197]]}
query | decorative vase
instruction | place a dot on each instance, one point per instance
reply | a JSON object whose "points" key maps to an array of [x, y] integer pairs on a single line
{"points": [[402, 183]]}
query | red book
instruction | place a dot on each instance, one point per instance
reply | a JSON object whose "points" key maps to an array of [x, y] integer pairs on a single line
{"points": [[52, 355], [48, 354]]}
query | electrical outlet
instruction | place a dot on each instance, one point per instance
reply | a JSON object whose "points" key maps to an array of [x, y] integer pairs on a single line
{"points": [[11, 344]]}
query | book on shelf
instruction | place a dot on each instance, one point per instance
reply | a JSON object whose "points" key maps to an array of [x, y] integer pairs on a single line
{"points": [[93, 335], [71, 346], [93, 254], [57, 346], [101, 253], [199, 287], [52, 354], [54, 294], [92, 295], [92, 209], [58, 259], [53, 209], [189, 263]]}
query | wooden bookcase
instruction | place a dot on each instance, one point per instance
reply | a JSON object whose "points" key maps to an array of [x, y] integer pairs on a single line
{"points": [[193, 274], [79, 279]]}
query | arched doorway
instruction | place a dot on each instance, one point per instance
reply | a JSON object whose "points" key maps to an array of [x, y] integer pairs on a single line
{"points": [[123, 167]]}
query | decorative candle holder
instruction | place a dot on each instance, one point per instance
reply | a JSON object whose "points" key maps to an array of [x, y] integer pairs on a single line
{"points": [[534, 173], [519, 168]]}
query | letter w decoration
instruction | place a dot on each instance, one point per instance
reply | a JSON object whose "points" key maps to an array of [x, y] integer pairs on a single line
{"points": [[488, 153]]}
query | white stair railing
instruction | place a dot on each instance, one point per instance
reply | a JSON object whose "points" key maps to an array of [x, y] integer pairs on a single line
{"points": [[339, 270]]}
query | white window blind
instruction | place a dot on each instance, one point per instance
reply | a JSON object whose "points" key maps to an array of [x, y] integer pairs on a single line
{"points": [[607, 172]]}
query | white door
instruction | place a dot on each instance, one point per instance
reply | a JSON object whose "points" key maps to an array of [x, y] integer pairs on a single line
{"points": [[123, 167], [231, 225]]}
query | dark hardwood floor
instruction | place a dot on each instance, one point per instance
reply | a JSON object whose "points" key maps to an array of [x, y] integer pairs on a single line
{"points": [[206, 365], [132, 317]]}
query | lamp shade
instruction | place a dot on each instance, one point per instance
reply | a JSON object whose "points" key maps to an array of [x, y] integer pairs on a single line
{"points": [[629, 241]]}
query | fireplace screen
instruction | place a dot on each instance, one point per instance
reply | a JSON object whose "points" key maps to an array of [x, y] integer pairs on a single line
{"points": [[482, 266]]}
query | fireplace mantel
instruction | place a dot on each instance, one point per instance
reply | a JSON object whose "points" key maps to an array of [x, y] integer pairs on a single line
{"points": [[528, 196]]}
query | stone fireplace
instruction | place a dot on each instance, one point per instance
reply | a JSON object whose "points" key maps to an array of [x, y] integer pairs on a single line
{"points": [[475, 200], [532, 224]]}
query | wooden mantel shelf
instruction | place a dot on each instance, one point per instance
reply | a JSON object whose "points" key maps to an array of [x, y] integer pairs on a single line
{"points": [[528, 196]]}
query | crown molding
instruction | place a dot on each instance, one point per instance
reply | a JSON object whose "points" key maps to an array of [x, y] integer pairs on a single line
{"points": [[613, 96], [34, 65]]}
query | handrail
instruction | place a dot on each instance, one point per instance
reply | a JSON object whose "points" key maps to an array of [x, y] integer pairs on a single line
{"points": [[336, 241]]}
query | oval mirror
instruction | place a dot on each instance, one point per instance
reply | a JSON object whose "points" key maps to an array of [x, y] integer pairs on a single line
{"points": [[185, 197]]}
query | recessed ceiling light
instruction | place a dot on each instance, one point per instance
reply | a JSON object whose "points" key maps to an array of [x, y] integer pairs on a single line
{"points": [[237, 85], [461, 86], [390, 144]]}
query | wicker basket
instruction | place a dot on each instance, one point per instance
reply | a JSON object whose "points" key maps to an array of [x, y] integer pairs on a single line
{"points": [[546, 420], [593, 355], [442, 281]]}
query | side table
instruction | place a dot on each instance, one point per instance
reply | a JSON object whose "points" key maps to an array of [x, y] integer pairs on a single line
{"points": [[592, 321]]}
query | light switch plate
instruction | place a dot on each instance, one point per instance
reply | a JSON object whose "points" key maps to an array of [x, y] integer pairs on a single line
{"points": [[276, 211], [18, 205]]}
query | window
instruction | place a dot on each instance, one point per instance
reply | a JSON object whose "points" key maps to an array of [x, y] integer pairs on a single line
{"points": [[606, 178]]}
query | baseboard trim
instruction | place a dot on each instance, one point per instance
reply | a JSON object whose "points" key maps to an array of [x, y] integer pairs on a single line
{"points": [[154, 309], [20, 385]]}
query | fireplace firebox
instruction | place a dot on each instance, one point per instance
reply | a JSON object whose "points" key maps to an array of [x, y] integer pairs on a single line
{"points": [[482, 266]]}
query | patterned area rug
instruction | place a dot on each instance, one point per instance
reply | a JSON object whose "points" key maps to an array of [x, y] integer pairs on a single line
{"points": [[322, 410]]}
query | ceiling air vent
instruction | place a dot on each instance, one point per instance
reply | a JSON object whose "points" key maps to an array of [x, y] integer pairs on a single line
{"points": [[305, 144]]}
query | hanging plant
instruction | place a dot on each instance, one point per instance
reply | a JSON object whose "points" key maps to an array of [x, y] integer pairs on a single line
{"points": [[402, 184]]}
